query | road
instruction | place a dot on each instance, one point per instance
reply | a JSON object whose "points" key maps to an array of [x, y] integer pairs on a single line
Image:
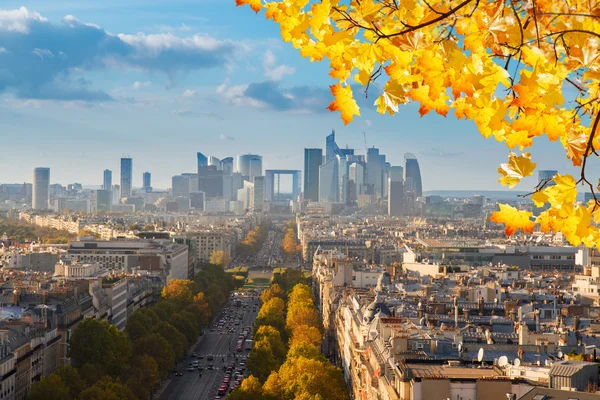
{"points": [[222, 346], [269, 251]]}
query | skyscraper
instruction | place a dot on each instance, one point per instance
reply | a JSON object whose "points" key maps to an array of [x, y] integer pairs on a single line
{"points": [[395, 191], [210, 181], [180, 186], [312, 160], [249, 165], [331, 147], [126, 176], [374, 174], [41, 188], [103, 199], [357, 176], [329, 184], [259, 192], [227, 165], [546, 175], [212, 160], [413, 172], [107, 184], [202, 160], [147, 180]]}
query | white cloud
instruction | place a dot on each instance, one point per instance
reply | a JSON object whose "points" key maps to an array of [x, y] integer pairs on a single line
{"points": [[136, 85], [3, 50], [274, 71], [188, 93], [225, 137], [236, 94], [368, 123], [18, 20], [166, 41], [42, 53]]}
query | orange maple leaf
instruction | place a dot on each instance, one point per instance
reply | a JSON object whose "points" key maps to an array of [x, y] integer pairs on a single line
{"points": [[513, 219], [344, 102], [255, 5]]}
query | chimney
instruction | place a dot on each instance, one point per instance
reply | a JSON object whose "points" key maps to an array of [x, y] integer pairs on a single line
{"points": [[537, 320], [575, 322], [480, 303]]}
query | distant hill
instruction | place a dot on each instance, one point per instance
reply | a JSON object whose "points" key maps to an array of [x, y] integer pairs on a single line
{"points": [[491, 194]]}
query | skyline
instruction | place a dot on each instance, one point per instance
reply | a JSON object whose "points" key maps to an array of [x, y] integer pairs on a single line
{"points": [[194, 79]]}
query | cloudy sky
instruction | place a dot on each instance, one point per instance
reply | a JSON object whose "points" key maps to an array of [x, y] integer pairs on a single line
{"points": [[85, 82]]}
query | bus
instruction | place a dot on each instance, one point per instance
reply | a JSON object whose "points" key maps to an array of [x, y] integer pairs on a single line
{"points": [[248, 344]]}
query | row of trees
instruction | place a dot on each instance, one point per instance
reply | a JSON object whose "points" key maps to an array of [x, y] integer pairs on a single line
{"points": [[286, 362], [253, 241], [289, 244], [108, 364], [21, 231]]}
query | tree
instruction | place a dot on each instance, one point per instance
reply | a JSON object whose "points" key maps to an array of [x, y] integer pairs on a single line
{"points": [[51, 387], [262, 360], [107, 389], [158, 348], [302, 314], [250, 389], [164, 310], [306, 334], [219, 257], [134, 227], [177, 340], [144, 370], [273, 337], [96, 342], [149, 228], [271, 313], [70, 376], [273, 291], [185, 326], [180, 291], [305, 350], [519, 70], [301, 377]]}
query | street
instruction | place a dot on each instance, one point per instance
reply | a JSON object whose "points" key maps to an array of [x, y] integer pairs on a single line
{"points": [[219, 343]]}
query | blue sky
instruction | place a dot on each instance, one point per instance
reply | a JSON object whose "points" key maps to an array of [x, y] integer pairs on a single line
{"points": [[85, 82]]}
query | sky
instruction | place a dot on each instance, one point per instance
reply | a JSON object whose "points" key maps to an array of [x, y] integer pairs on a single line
{"points": [[86, 82]]}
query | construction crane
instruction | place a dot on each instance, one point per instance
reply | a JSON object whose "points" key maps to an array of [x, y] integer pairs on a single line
{"points": [[366, 152]]}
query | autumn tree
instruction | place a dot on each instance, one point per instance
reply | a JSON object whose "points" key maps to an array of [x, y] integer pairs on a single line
{"points": [[301, 377], [262, 360], [306, 334], [289, 243], [519, 69], [108, 389], [144, 369], [305, 350], [219, 257], [180, 291], [272, 292], [50, 387], [250, 389], [273, 337], [271, 313]]}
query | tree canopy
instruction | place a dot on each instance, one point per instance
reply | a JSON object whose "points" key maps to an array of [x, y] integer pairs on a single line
{"points": [[521, 70], [219, 257]]}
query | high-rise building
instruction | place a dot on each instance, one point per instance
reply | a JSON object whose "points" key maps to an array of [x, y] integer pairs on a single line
{"points": [[107, 183], [329, 184], [227, 166], [116, 194], [41, 187], [395, 191], [313, 159], [103, 200], [214, 161], [180, 186], [202, 160], [249, 165], [259, 192], [231, 184], [147, 180], [357, 177], [331, 147], [197, 201], [546, 175], [210, 181], [126, 177], [375, 167], [413, 172]]}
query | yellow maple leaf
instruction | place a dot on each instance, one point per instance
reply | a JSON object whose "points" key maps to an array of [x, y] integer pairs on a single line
{"points": [[513, 219], [344, 102], [255, 5], [516, 169]]}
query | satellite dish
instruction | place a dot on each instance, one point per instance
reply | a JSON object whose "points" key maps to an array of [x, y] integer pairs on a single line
{"points": [[517, 362], [502, 361], [480, 354], [560, 354], [460, 345], [422, 322]]}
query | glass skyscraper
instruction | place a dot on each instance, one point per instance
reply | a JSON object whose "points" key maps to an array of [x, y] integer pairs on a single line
{"points": [[312, 161], [41, 188], [202, 160], [126, 176], [413, 174], [107, 183], [147, 180]]}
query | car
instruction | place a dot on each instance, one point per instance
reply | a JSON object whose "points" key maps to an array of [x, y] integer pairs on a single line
{"points": [[209, 358], [238, 349], [200, 356], [194, 354], [178, 373], [210, 366], [191, 369]]}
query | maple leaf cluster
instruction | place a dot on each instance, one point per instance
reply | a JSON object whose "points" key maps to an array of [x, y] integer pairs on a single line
{"points": [[506, 65]]}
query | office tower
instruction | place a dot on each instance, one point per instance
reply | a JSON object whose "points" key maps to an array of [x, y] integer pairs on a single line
{"points": [[313, 158], [546, 176], [259, 192], [147, 180], [197, 201], [412, 171], [210, 181], [180, 186], [41, 188], [231, 184], [227, 166], [356, 175], [342, 178], [395, 191], [126, 177], [331, 147], [107, 184], [249, 165], [116, 194], [103, 200], [214, 161], [374, 170], [202, 160], [329, 184]]}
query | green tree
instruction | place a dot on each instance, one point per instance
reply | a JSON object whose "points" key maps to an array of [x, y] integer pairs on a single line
{"points": [[136, 329], [185, 326], [176, 340], [51, 387], [158, 348], [164, 309], [70, 376], [144, 370], [108, 389]]}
